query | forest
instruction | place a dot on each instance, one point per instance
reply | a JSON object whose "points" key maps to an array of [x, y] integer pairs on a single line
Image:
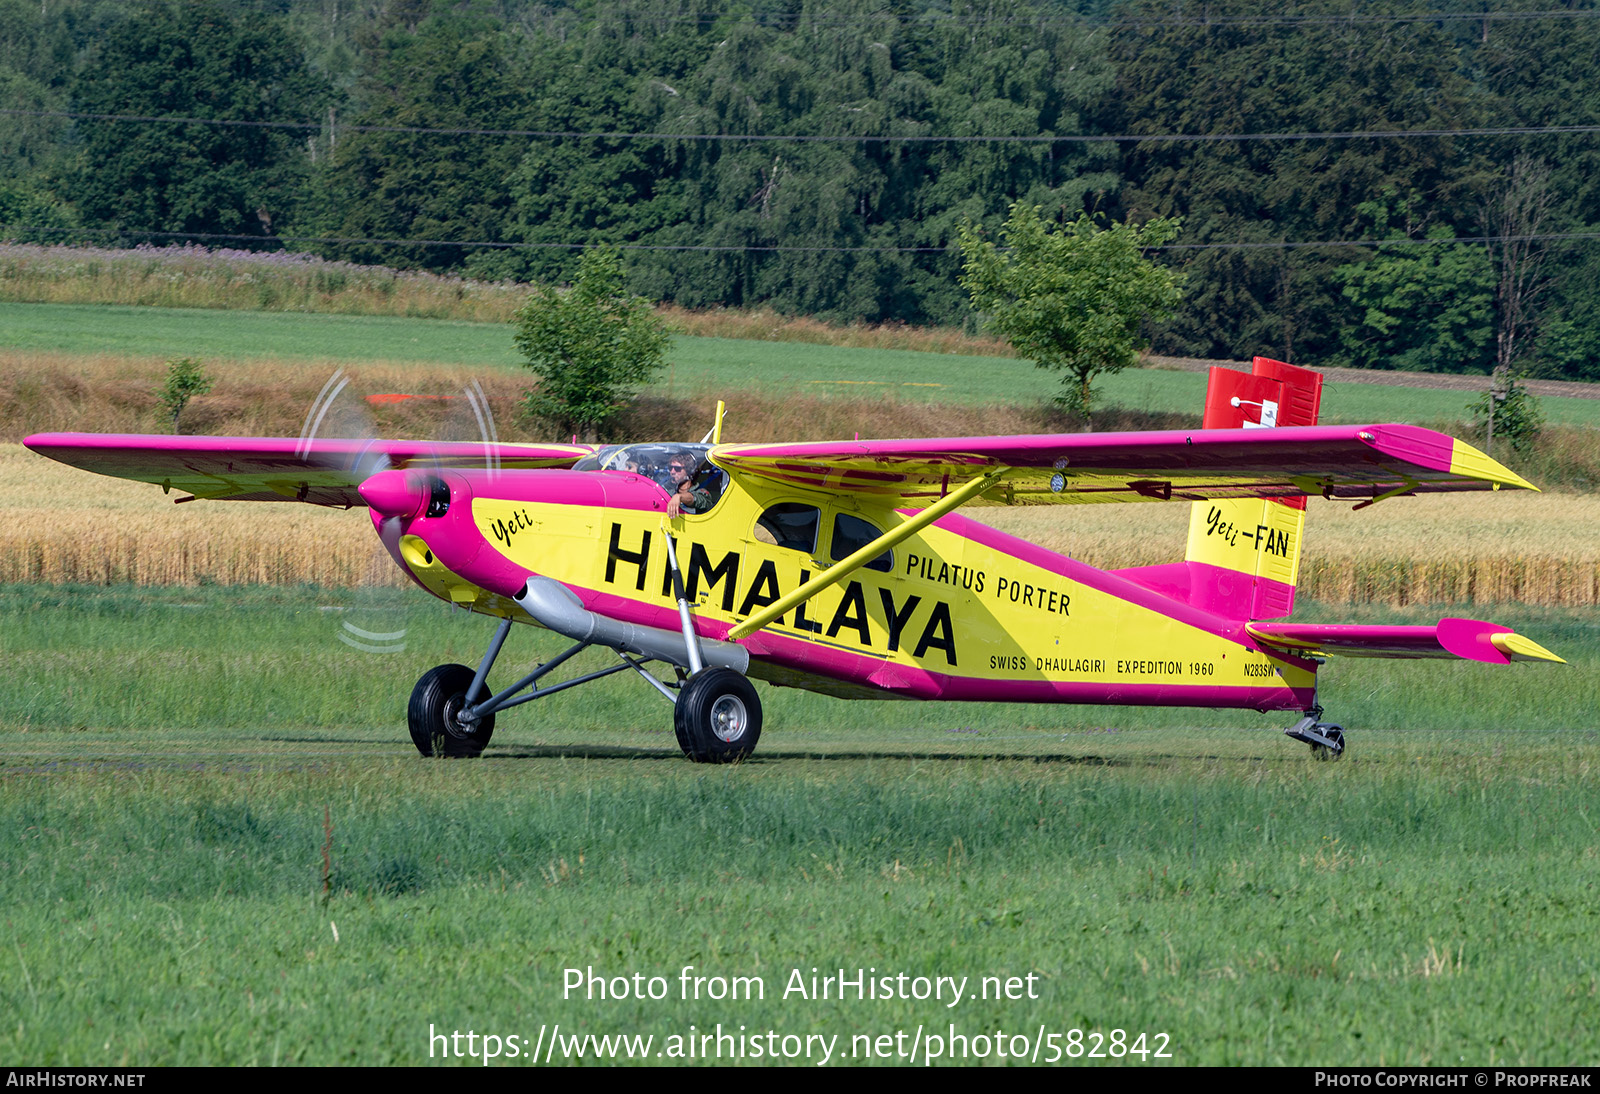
{"points": [[1387, 184]]}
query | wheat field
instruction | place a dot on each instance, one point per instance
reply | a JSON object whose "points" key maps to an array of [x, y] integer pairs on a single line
{"points": [[59, 525], [1481, 548]]}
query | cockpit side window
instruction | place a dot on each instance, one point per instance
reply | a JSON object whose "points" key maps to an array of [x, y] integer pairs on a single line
{"points": [[669, 466], [790, 525], [850, 534]]}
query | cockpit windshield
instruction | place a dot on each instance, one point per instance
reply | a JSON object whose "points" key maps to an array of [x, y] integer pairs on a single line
{"points": [[680, 469]]}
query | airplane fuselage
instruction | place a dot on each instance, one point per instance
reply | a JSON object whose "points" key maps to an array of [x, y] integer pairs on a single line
{"points": [[958, 611]]}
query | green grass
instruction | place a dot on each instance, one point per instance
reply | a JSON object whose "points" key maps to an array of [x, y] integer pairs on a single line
{"points": [[714, 366], [238, 335], [171, 757], [254, 659]]}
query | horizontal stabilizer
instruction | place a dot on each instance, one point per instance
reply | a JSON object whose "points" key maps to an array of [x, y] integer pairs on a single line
{"points": [[1467, 638]]}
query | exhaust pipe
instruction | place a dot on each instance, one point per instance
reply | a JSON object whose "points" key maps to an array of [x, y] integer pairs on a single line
{"points": [[558, 608]]}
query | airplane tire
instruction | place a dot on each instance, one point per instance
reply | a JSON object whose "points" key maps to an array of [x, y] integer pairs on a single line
{"points": [[717, 717], [435, 702]]}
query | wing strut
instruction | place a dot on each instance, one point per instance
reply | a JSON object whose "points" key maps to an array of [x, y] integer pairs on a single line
{"points": [[848, 565]]}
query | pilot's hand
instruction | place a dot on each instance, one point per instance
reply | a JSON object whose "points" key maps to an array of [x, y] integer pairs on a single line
{"points": [[683, 501]]}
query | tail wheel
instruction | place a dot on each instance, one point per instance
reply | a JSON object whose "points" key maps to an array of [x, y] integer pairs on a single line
{"points": [[717, 717], [1334, 734], [435, 709]]}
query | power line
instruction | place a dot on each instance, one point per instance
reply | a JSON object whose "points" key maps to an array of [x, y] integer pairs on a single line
{"points": [[478, 244], [483, 244], [1288, 245], [1349, 18], [934, 20], [1071, 138]]}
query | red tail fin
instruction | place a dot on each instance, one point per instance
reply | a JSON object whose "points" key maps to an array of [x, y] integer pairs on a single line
{"points": [[1243, 556]]}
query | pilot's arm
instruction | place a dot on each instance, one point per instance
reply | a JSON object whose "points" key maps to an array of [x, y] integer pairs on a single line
{"points": [[688, 499]]}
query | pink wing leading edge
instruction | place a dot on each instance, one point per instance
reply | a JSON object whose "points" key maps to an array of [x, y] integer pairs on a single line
{"points": [[1354, 462], [318, 472]]}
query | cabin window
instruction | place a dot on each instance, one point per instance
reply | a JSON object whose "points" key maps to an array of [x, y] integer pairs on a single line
{"points": [[655, 462], [850, 534], [790, 524]]}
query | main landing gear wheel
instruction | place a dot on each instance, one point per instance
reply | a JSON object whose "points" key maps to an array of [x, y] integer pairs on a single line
{"points": [[1334, 734], [717, 717], [433, 714]]}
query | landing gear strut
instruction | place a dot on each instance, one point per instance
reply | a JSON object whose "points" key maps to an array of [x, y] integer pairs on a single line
{"points": [[1325, 738], [716, 711]]}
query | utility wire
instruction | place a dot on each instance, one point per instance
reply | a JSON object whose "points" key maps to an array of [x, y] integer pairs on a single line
{"points": [[480, 244], [1284, 245], [483, 244], [931, 20], [1350, 18], [1071, 138]]}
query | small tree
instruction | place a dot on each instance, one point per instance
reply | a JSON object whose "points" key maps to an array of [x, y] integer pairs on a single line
{"points": [[590, 345], [1508, 409], [1071, 298], [185, 380]]}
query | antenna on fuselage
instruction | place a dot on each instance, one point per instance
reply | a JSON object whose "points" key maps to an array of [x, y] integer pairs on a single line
{"points": [[715, 436]]}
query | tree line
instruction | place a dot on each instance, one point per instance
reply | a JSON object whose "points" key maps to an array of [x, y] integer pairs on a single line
{"points": [[1355, 185]]}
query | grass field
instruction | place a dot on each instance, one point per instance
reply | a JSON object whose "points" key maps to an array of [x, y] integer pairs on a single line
{"points": [[255, 657], [717, 366], [195, 277], [178, 763]]}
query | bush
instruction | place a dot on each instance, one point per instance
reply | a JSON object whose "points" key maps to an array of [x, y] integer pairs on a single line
{"points": [[1517, 414], [185, 380]]}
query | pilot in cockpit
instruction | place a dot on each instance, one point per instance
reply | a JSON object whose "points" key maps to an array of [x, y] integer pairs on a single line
{"points": [[688, 496], [693, 486]]}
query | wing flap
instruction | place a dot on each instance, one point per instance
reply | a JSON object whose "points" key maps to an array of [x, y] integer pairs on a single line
{"points": [[1355, 462], [1471, 639], [319, 472]]}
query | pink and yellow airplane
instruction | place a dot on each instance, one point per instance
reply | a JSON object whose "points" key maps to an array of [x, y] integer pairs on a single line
{"points": [[843, 567]]}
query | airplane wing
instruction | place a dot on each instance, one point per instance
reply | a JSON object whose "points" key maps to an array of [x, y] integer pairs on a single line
{"points": [[1356, 462], [1468, 638], [320, 472]]}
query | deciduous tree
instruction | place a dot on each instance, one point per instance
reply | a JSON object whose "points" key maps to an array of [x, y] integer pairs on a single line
{"points": [[1421, 307], [590, 345], [1072, 298], [203, 61], [1507, 410]]}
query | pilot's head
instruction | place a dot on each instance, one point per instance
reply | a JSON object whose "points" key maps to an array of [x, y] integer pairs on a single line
{"points": [[681, 467]]}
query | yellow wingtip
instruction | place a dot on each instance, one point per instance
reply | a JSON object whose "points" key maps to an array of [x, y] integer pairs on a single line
{"points": [[1518, 648], [1468, 461]]}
